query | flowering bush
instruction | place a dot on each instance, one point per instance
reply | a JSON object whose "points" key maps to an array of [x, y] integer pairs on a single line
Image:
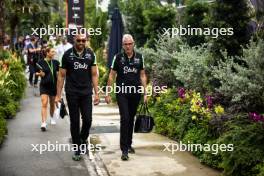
{"points": [[256, 117], [200, 108], [12, 87]]}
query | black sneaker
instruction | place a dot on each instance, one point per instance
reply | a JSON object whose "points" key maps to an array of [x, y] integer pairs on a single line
{"points": [[76, 157], [131, 150], [124, 157]]}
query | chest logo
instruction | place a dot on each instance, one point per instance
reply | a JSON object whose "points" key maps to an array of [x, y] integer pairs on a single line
{"points": [[78, 65], [88, 56], [129, 70]]}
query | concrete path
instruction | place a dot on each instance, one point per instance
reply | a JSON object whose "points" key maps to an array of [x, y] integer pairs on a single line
{"points": [[150, 157], [16, 155]]}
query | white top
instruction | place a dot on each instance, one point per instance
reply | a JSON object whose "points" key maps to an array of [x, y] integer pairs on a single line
{"points": [[60, 50]]}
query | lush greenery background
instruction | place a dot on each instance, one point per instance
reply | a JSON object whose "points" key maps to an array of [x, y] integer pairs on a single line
{"points": [[215, 85], [12, 87]]}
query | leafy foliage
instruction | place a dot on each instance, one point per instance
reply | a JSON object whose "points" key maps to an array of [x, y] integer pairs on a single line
{"points": [[194, 15], [157, 19], [244, 83], [161, 62], [135, 21], [12, 87], [230, 14]]}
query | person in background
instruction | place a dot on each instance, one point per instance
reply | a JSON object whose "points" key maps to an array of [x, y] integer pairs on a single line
{"points": [[61, 48], [48, 69], [6, 42], [19, 45], [33, 57]]}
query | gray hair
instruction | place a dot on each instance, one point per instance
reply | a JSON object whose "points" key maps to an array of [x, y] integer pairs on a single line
{"points": [[127, 36]]}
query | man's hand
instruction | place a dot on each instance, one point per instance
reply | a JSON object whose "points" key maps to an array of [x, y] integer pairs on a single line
{"points": [[57, 100], [108, 99], [96, 99], [41, 73]]}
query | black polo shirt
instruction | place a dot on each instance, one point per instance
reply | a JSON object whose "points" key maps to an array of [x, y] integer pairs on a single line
{"points": [[78, 71], [128, 69]]}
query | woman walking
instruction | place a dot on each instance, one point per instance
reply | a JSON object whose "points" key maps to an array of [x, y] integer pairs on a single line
{"points": [[48, 70]]}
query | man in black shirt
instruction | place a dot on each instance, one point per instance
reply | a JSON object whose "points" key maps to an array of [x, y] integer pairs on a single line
{"points": [[33, 58], [78, 66], [128, 66]]}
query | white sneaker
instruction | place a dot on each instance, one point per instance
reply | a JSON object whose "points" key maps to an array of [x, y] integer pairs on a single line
{"points": [[43, 126], [52, 121]]}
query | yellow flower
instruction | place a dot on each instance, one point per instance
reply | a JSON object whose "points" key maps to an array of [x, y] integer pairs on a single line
{"points": [[219, 110], [194, 117]]}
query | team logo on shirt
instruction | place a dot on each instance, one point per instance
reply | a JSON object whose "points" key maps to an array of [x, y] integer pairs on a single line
{"points": [[71, 55], [78, 65], [136, 60], [122, 60], [129, 70], [88, 56]]}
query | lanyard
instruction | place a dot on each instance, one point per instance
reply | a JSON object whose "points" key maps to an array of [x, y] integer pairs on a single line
{"points": [[51, 69]]}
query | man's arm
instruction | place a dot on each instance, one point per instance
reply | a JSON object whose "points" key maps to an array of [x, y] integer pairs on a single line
{"points": [[110, 81], [95, 77], [60, 83], [143, 79]]}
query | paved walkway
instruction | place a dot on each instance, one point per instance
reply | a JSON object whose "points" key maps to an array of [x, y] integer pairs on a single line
{"points": [[150, 157], [18, 159]]}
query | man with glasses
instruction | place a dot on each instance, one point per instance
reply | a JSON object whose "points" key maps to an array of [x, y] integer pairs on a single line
{"points": [[128, 66], [78, 67]]}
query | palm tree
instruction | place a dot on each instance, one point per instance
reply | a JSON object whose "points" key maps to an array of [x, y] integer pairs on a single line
{"points": [[28, 13]]}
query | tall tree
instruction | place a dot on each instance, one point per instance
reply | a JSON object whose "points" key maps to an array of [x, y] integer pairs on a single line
{"points": [[194, 15], [2, 22], [26, 14], [231, 14]]}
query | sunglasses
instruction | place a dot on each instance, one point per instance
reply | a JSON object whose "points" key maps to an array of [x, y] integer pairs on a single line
{"points": [[81, 40]]}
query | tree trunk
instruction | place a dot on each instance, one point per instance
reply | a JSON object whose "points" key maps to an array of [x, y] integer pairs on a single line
{"points": [[2, 23]]}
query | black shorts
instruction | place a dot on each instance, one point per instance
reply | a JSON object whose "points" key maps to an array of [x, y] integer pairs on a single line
{"points": [[47, 90]]}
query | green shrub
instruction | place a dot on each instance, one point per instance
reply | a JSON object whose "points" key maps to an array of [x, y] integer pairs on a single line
{"points": [[212, 158], [3, 128], [193, 68], [196, 135], [161, 62], [158, 18], [12, 87], [244, 83], [247, 138], [16, 71]]}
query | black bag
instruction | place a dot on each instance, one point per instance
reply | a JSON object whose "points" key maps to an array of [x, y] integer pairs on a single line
{"points": [[63, 111], [144, 122]]}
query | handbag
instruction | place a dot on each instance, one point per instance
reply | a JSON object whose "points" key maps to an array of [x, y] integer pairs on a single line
{"points": [[144, 121], [63, 110]]}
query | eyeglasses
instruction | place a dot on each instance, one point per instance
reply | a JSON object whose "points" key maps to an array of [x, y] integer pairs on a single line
{"points": [[81, 40], [127, 44]]}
